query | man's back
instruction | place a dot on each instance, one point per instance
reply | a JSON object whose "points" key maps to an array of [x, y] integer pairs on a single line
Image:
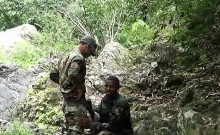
{"points": [[72, 71]]}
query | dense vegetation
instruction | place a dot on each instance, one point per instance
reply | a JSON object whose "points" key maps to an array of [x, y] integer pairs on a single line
{"points": [[193, 25]]}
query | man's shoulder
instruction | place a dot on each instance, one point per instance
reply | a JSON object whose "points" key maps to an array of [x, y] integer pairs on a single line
{"points": [[76, 55], [71, 56], [121, 100]]}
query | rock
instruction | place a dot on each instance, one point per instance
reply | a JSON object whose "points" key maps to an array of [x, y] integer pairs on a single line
{"points": [[109, 62], [185, 97], [173, 81], [141, 128], [30, 126], [155, 120], [155, 67], [4, 125], [113, 56], [192, 122], [13, 37], [14, 82]]}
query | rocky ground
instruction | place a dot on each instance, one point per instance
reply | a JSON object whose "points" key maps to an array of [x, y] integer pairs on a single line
{"points": [[166, 97]]}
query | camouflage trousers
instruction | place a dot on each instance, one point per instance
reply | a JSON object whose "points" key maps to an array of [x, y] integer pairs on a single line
{"points": [[72, 109]]}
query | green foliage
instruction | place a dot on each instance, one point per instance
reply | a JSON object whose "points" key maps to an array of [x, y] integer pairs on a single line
{"points": [[100, 18], [104, 19], [26, 54], [41, 108], [45, 111], [42, 105], [55, 42], [17, 128], [57, 32], [47, 114], [192, 24], [39, 12], [198, 26], [12, 13], [139, 33]]}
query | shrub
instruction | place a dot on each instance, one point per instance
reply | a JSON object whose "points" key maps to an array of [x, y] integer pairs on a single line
{"points": [[139, 33], [26, 54], [17, 128]]}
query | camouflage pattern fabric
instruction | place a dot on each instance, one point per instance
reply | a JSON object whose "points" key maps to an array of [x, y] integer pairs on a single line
{"points": [[72, 71], [73, 109], [114, 116]]}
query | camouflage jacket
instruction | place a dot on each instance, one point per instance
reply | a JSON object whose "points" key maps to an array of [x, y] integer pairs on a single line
{"points": [[72, 71], [114, 116]]}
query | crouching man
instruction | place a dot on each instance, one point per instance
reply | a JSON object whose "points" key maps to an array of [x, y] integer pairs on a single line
{"points": [[112, 116]]}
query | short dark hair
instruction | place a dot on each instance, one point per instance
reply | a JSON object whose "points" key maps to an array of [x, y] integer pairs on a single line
{"points": [[114, 79]]}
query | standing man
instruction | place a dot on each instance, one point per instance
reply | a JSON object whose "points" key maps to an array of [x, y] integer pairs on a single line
{"points": [[113, 113], [71, 72]]}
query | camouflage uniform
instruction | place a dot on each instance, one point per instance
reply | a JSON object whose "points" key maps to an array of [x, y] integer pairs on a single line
{"points": [[114, 117], [70, 75], [72, 71]]}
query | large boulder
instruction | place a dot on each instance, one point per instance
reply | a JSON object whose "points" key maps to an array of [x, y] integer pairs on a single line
{"points": [[113, 56], [13, 37], [155, 120], [194, 123], [14, 83]]}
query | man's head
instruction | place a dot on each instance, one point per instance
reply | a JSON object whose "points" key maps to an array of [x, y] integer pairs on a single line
{"points": [[88, 46], [112, 85]]}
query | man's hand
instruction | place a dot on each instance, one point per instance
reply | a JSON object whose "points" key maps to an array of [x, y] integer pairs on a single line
{"points": [[83, 122], [77, 94]]}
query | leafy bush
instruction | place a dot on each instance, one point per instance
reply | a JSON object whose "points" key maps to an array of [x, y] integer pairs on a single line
{"points": [[17, 128], [26, 54], [139, 33], [57, 31], [12, 13], [42, 104], [198, 27], [45, 111]]}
